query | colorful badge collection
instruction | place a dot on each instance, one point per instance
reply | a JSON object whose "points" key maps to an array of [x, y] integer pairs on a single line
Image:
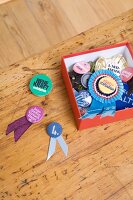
{"points": [[101, 87], [40, 85]]}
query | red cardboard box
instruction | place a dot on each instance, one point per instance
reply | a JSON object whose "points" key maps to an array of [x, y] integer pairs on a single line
{"points": [[123, 48]]}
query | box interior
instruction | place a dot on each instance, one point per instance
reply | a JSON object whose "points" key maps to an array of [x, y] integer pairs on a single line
{"points": [[92, 56]]}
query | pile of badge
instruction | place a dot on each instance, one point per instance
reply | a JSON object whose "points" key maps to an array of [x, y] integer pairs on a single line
{"points": [[103, 86]]}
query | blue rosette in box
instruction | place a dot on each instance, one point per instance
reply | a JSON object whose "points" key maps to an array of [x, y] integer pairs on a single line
{"points": [[105, 88]]}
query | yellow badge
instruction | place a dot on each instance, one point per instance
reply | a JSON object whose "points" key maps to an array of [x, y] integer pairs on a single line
{"points": [[107, 85]]}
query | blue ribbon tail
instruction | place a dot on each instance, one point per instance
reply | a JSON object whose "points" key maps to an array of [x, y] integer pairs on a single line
{"points": [[95, 109], [109, 110], [52, 146], [63, 145]]}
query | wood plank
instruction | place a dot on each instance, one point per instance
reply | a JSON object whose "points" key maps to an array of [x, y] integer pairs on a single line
{"points": [[91, 13], [99, 164], [9, 50], [23, 30], [4, 1], [54, 23], [32, 26]]}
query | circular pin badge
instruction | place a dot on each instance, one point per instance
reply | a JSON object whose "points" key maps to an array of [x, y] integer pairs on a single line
{"points": [[40, 85], [81, 67], [85, 78], [126, 74], [74, 77], [76, 80], [105, 86], [34, 114], [54, 129], [83, 99]]}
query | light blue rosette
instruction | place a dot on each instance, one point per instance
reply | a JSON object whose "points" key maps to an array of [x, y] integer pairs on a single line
{"points": [[102, 103]]}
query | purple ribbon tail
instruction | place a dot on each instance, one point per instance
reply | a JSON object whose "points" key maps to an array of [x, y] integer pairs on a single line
{"points": [[20, 131], [19, 126]]}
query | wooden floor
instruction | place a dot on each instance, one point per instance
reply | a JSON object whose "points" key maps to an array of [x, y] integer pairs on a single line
{"points": [[28, 27]]}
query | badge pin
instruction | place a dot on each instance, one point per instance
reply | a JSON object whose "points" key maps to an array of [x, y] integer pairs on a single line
{"points": [[85, 78], [40, 85], [83, 99], [54, 130], [76, 80], [81, 67], [105, 88], [126, 74], [33, 115]]}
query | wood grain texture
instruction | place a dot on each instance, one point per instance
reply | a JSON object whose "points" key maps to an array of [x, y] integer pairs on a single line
{"points": [[28, 27], [4, 1], [99, 165]]}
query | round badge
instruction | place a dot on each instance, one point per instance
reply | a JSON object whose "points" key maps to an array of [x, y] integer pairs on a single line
{"points": [[81, 67], [76, 80], [54, 129], [40, 85], [34, 114], [105, 86], [83, 99], [85, 78], [126, 74]]}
